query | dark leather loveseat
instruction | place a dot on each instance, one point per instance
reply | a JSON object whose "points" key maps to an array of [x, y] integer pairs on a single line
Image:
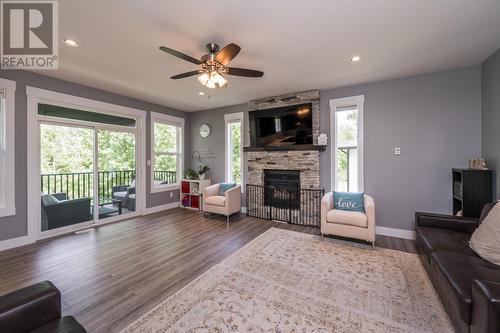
{"points": [[36, 308], [469, 286]]}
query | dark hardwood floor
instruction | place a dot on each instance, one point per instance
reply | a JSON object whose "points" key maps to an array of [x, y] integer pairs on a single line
{"points": [[111, 275]]}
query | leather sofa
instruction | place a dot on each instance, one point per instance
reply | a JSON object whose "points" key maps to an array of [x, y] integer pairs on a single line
{"points": [[36, 308], [469, 286]]}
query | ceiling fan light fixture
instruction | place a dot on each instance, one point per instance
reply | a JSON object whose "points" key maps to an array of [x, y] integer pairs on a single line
{"points": [[222, 83], [213, 65], [212, 80], [204, 78], [219, 80], [210, 84]]}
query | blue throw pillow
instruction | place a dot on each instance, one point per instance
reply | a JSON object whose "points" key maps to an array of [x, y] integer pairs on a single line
{"points": [[225, 186], [349, 201]]}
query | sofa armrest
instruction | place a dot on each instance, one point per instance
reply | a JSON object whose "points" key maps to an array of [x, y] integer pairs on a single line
{"points": [[211, 190], [326, 206], [26, 309], [369, 204], [233, 199], [457, 223], [485, 306]]}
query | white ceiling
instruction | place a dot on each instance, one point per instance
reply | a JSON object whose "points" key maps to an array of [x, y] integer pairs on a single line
{"points": [[299, 45]]}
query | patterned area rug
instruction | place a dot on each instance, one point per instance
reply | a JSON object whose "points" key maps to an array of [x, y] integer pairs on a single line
{"points": [[286, 281]]}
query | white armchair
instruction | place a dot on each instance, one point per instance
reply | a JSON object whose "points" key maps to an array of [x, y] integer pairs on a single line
{"points": [[350, 224], [226, 205]]}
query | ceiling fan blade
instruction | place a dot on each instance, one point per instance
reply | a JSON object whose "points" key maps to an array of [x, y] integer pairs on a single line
{"points": [[244, 72], [187, 74], [180, 55], [225, 55]]}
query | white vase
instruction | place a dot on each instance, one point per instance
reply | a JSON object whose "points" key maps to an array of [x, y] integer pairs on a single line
{"points": [[202, 176]]}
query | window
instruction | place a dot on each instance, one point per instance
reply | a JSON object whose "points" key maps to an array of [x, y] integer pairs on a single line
{"points": [[234, 145], [347, 150], [167, 152], [7, 185]]}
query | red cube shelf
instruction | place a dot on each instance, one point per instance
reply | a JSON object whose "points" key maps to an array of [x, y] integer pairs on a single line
{"points": [[185, 187], [195, 201]]}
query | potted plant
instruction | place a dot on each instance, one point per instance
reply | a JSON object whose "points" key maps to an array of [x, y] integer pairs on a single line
{"points": [[203, 172], [191, 174]]}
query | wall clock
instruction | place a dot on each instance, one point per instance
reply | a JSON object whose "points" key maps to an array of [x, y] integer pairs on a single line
{"points": [[204, 130]]}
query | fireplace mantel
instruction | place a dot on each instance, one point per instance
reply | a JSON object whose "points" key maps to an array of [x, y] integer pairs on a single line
{"points": [[287, 148]]}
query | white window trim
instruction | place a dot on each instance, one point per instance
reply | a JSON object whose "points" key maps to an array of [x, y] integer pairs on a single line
{"points": [[172, 121], [229, 118], [359, 102], [7, 166], [38, 95]]}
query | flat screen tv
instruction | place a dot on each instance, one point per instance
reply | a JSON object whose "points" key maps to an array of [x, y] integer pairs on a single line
{"points": [[284, 126]]}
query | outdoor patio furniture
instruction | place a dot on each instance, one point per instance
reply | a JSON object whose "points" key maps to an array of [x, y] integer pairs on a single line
{"points": [[131, 202], [60, 212], [122, 193], [109, 208]]}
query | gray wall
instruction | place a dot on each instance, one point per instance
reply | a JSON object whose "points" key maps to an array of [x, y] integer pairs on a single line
{"points": [[16, 226], [434, 118], [490, 104], [215, 141]]}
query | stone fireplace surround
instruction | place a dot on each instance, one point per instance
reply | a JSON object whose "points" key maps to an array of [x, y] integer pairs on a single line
{"points": [[306, 161]]}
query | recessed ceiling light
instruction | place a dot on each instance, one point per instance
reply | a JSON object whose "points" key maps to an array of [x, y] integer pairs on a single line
{"points": [[201, 93], [355, 58], [71, 42]]}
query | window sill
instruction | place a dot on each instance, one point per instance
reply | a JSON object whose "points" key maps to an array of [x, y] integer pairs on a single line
{"points": [[7, 211], [164, 188]]}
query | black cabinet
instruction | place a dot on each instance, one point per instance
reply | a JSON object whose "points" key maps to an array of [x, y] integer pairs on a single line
{"points": [[471, 189]]}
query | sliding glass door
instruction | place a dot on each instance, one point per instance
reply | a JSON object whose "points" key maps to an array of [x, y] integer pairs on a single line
{"points": [[117, 172], [88, 172], [66, 176]]}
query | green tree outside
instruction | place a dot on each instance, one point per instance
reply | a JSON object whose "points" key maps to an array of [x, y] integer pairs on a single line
{"points": [[235, 135]]}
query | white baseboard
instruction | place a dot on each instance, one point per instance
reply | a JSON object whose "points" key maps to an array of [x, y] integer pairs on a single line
{"points": [[14, 242], [400, 233], [161, 208]]}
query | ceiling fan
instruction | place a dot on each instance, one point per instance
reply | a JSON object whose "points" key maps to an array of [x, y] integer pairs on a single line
{"points": [[213, 65]]}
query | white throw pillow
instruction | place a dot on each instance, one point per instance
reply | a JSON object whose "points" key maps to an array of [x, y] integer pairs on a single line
{"points": [[485, 240]]}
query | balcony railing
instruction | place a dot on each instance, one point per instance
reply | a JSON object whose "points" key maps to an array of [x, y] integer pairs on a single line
{"points": [[80, 184]]}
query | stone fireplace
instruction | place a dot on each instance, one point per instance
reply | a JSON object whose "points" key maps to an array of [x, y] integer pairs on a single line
{"points": [[306, 163], [284, 181], [304, 159]]}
